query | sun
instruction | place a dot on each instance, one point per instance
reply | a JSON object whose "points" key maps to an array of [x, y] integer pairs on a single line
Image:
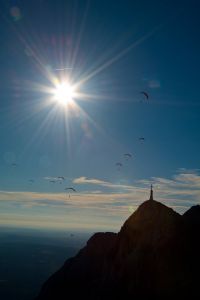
{"points": [[64, 93]]}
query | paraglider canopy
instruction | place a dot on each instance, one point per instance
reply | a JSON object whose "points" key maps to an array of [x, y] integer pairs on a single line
{"points": [[145, 94], [127, 156], [119, 166], [70, 188], [141, 138]]}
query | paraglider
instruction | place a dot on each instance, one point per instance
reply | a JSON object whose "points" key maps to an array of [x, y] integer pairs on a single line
{"points": [[61, 179], [127, 156], [119, 165], [13, 164], [145, 94], [70, 188], [31, 180]]}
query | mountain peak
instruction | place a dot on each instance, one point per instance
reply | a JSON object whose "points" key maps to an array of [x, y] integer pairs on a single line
{"points": [[152, 256], [149, 213], [151, 224]]}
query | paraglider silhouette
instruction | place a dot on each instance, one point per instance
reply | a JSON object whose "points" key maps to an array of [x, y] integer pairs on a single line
{"points": [[127, 156], [61, 179], [31, 180], [13, 164], [119, 165], [142, 139], [145, 94], [70, 188]]}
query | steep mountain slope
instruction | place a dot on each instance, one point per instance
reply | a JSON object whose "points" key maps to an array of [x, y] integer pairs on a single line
{"points": [[192, 215], [155, 254]]}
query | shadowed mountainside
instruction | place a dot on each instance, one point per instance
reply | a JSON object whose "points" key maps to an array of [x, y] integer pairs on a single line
{"points": [[155, 254]]}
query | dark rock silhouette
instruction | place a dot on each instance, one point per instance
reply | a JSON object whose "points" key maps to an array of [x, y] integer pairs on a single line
{"points": [[193, 215], [155, 254]]}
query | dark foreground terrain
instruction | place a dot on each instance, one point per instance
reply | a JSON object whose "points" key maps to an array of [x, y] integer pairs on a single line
{"points": [[28, 257], [155, 254]]}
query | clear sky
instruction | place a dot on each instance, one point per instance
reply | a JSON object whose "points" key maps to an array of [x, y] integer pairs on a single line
{"points": [[114, 51]]}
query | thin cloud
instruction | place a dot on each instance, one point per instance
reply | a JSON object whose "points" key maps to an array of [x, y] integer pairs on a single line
{"points": [[107, 184], [85, 180], [179, 192], [49, 178]]}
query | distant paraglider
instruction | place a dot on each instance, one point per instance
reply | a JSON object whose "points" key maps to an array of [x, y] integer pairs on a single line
{"points": [[145, 94], [119, 165], [61, 179], [31, 180], [127, 156], [70, 189], [13, 164]]}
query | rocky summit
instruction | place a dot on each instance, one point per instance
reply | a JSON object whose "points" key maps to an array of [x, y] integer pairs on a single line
{"points": [[155, 254]]}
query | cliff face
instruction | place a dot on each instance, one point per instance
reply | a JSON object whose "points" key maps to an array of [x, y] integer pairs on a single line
{"points": [[156, 253]]}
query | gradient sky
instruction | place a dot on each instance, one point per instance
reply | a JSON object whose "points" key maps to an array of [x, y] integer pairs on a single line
{"points": [[116, 50]]}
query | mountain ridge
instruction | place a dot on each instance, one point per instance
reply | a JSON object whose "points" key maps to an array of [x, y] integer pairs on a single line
{"points": [[152, 255]]}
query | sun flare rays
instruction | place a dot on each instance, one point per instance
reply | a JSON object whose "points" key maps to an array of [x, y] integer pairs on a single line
{"points": [[64, 93]]}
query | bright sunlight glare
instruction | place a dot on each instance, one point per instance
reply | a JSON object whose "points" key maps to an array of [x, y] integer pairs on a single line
{"points": [[64, 93]]}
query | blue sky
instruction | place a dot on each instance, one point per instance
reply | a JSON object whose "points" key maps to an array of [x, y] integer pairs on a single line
{"points": [[116, 50]]}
